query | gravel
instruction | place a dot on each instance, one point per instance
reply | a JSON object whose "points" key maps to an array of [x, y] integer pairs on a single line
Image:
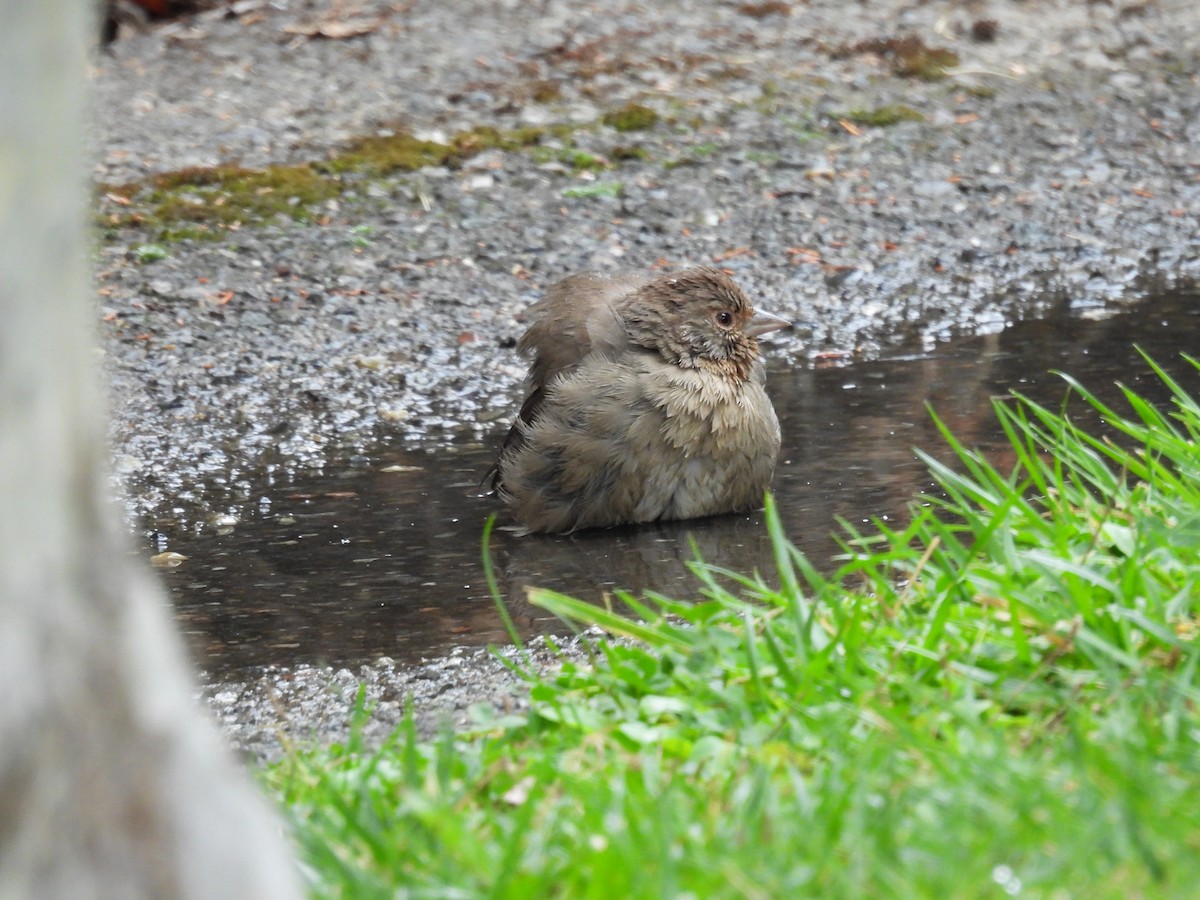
{"points": [[280, 707], [1056, 164]]}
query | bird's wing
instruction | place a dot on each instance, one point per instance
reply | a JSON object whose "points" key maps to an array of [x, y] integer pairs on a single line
{"points": [[575, 319]]}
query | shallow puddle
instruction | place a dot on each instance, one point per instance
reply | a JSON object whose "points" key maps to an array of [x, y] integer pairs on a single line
{"points": [[384, 560]]}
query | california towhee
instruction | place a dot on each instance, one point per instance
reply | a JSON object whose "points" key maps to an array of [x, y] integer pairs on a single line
{"points": [[645, 402]]}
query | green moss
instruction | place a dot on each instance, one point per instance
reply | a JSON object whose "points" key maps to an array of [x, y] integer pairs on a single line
{"points": [[582, 161], [385, 154], [402, 152], [579, 160], [883, 116], [600, 189], [206, 202], [631, 117], [485, 137]]}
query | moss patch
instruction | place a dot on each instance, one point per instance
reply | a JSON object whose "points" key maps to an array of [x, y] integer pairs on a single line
{"points": [[402, 152], [385, 154], [631, 117], [883, 116], [200, 203], [577, 159], [600, 189], [583, 161], [206, 202]]}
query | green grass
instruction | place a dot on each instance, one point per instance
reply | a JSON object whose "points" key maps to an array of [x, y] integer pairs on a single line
{"points": [[997, 699], [148, 253]]}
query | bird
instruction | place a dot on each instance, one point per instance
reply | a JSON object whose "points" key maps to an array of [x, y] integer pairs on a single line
{"points": [[645, 401]]}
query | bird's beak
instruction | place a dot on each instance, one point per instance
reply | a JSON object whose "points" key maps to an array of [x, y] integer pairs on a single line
{"points": [[765, 322]]}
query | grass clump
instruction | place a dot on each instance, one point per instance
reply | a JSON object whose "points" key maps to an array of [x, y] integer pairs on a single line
{"points": [[998, 698], [148, 253]]}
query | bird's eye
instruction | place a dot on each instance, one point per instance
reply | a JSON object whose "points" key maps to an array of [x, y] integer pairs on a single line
{"points": [[723, 318]]}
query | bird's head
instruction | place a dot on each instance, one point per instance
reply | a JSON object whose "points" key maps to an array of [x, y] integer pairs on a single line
{"points": [[698, 318]]}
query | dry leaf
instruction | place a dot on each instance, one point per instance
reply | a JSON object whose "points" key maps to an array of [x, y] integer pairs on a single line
{"points": [[333, 30]]}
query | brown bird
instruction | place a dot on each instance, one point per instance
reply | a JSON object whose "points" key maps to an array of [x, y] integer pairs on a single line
{"points": [[645, 401]]}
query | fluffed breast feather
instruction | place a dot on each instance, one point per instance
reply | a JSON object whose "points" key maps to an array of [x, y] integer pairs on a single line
{"points": [[658, 441]]}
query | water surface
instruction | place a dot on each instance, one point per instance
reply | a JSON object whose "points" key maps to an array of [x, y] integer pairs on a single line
{"points": [[384, 559]]}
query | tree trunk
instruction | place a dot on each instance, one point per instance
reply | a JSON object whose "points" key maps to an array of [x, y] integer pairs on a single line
{"points": [[111, 782]]}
